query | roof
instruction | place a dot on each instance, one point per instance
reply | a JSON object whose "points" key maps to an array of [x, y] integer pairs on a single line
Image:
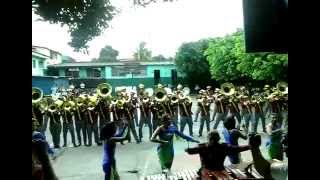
{"points": [[39, 55], [101, 64], [45, 48]]}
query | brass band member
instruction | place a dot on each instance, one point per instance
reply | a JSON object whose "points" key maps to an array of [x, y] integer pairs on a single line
{"points": [[55, 123], [245, 111], [80, 121], [185, 105], [134, 104], [204, 106], [129, 118], [38, 115], [92, 123], [257, 113], [104, 112], [157, 109], [145, 115], [234, 110], [201, 93], [67, 125], [221, 111]]}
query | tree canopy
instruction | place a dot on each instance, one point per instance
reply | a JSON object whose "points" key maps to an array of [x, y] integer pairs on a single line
{"points": [[85, 19], [107, 54], [228, 61], [142, 53], [191, 62]]}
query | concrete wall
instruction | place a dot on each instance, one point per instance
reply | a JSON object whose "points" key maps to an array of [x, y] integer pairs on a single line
{"points": [[46, 83], [165, 70], [36, 69]]}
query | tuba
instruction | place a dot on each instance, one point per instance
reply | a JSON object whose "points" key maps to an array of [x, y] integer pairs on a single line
{"points": [[282, 87], [104, 90], [227, 89], [160, 95], [37, 95]]}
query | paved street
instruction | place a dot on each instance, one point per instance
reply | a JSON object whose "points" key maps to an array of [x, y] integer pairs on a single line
{"points": [[84, 163]]}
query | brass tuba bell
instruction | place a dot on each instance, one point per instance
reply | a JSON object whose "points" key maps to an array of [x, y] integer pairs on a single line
{"points": [[227, 89], [37, 95], [160, 94], [104, 90], [282, 87]]}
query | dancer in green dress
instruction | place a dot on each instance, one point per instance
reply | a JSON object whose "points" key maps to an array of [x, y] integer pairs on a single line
{"points": [[166, 131]]}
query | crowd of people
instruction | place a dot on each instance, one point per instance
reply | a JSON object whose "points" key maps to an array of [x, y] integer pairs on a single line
{"points": [[165, 113]]}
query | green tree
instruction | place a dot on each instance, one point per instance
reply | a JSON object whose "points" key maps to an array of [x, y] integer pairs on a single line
{"points": [[228, 61], [107, 54], [85, 19], [142, 53], [191, 62], [160, 57]]}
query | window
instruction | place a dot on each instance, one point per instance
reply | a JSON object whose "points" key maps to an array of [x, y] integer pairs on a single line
{"points": [[125, 70], [73, 72], [41, 64], [34, 65], [53, 55], [119, 71], [94, 72]]}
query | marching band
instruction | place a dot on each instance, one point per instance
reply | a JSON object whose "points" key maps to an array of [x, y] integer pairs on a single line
{"points": [[84, 114]]}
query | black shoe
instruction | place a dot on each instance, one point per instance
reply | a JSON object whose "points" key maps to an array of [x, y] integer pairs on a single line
{"points": [[64, 145], [79, 145], [57, 147], [99, 143], [200, 135], [74, 145], [88, 145]]}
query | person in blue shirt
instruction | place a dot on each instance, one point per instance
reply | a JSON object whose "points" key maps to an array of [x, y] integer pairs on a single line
{"points": [[41, 165], [110, 135], [231, 136], [166, 131]]}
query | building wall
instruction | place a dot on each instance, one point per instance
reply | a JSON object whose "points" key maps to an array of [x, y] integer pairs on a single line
{"points": [[46, 83], [36, 69], [165, 70]]}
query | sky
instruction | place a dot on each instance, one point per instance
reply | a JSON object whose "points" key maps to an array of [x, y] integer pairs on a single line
{"points": [[163, 26]]}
